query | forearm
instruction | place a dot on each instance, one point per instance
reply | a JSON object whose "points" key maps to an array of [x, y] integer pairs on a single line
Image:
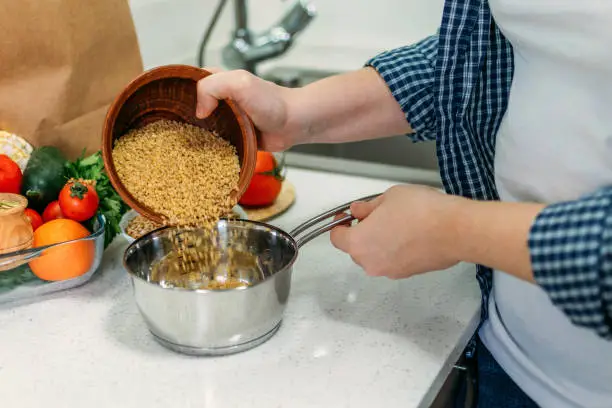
{"points": [[564, 248], [344, 108], [495, 234]]}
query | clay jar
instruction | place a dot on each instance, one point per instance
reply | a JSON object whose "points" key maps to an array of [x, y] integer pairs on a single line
{"points": [[15, 228]]}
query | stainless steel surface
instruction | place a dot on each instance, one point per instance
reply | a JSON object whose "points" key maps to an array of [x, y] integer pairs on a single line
{"points": [[336, 164], [241, 19], [297, 76], [394, 151], [225, 321], [247, 49], [214, 322], [304, 227], [32, 288], [219, 351], [395, 157]]}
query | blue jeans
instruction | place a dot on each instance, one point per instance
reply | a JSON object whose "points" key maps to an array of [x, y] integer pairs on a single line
{"points": [[495, 388]]}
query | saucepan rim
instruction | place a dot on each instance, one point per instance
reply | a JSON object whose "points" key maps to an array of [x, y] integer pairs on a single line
{"points": [[158, 231], [291, 237]]}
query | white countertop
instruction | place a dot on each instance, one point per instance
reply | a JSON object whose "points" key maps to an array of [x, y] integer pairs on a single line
{"points": [[347, 340]]}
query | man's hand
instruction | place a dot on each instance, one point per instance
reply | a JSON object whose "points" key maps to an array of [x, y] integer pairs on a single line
{"points": [[406, 231], [265, 102], [343, 108], [414, 229]]}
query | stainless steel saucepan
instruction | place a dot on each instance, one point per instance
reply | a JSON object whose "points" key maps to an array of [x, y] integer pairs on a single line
{"points": [[224, 321]]}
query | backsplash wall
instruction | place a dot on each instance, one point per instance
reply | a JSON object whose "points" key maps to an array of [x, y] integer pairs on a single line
{"points": [[344, 34]]}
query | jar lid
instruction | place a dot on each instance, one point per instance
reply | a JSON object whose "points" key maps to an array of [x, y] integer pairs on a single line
{"points": [[12, 203]]}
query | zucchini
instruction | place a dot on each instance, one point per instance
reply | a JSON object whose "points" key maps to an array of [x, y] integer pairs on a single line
{"points": [[43, 177]]}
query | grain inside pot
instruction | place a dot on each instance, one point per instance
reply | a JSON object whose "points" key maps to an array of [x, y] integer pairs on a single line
{"points": [[189, 175]]}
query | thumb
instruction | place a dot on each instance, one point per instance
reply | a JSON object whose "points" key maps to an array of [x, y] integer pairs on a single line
{"points": [[362, 209], [220, 85]]}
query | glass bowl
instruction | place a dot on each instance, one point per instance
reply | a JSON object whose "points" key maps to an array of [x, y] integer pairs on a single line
{"points": [[18, 281]]}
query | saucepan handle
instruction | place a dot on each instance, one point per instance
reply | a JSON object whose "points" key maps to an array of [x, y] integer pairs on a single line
{"points": [[303, 232]]}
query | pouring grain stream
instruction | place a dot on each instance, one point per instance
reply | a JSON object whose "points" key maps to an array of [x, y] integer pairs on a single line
{"points": [[188, 175]]}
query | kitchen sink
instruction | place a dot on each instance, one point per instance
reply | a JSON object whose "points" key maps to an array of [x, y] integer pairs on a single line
{"points": [[395, 158]]}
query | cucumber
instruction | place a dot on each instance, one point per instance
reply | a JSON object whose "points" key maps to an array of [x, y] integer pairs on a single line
{"points": [[43, 177]]}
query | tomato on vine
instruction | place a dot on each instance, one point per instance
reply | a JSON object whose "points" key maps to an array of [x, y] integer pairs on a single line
{"points": [[79, 200]]}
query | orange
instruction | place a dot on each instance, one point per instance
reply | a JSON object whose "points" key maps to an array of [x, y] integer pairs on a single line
{"points": [[65, 261]]}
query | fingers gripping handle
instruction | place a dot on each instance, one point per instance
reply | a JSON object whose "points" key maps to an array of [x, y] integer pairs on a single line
{"points": [[304, 234]]}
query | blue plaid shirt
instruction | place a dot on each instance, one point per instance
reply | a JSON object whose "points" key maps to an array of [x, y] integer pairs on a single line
{"points": [[454, 88]]}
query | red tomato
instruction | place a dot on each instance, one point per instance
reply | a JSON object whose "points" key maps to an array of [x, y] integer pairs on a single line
{"points": [[266, 184], [79, 200], [10, 175], [34, 217], [52, 212]]}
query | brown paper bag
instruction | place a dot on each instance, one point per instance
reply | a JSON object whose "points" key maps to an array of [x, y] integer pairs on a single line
{"points": [[61, 64]]}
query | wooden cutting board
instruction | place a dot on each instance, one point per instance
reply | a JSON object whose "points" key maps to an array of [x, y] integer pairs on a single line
{"points": [[283, 202]]}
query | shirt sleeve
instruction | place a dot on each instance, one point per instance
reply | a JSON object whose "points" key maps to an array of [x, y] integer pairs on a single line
{"points": [[571, 254], [409, 74]]}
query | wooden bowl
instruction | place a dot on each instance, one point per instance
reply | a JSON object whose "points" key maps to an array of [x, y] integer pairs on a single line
{"points": [[170, 92]]}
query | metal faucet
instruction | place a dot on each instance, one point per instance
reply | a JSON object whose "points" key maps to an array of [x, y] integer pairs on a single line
{"points": [[247, 49]]}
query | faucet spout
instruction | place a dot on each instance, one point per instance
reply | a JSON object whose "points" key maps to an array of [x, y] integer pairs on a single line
{"points": [[298, 18], [246, 50], [241, 18]]}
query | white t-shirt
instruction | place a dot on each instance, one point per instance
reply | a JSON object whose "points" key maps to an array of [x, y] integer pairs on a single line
{"points": [[554, 144]]}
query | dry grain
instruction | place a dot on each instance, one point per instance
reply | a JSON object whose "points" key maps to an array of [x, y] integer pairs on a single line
{"points": [[189, 176], [139, 226], [186, 173]]}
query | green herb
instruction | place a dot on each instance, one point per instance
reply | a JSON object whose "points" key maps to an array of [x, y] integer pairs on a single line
{"points": [[111, 205], [15, 277]]}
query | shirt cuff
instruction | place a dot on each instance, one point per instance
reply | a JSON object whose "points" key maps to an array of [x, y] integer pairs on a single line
{"points": [[571, 255], [409, 74]]}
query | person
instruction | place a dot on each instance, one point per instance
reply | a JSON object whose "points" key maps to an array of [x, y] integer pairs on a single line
{"points": [[518, 96]]}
